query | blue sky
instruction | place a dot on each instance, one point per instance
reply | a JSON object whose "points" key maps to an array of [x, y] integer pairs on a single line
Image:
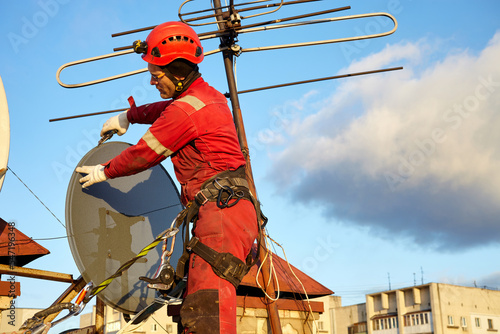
{"points": [[369, 181]]}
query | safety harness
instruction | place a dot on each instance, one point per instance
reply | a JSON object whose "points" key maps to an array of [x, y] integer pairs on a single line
{"points": [[226, 189]]}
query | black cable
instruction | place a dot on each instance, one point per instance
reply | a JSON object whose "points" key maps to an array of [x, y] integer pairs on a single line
{"points": [[36, 197]]}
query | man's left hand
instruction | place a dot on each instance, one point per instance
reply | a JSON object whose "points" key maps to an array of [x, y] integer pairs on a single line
{"points": [[95, 174]]}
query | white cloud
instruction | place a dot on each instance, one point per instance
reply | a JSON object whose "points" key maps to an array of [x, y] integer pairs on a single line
{"points": [[414, 151]]}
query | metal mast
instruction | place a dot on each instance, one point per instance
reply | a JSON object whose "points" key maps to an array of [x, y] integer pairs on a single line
{"points": [[228, 55]]}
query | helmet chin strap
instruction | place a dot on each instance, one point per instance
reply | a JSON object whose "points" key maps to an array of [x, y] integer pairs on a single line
{"points": [[182, 85]]}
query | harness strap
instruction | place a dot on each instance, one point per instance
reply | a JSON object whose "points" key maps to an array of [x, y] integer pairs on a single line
{"points": [[182, 85], [223, 191], [224, 265]]}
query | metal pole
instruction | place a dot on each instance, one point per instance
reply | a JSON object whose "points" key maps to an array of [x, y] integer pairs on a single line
{"points": [[85, 115], [348, 75], [99, 316], [272, 307]]}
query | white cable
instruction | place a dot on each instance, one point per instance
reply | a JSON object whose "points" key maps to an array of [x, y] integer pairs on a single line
{"points": [[302, 285], [272, 274]]}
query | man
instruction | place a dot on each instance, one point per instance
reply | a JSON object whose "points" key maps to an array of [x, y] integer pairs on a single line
{"points": [[196, 129]]}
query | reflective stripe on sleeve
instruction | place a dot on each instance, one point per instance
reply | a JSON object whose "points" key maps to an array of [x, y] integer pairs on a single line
{"points": [[193, 101], [155, 144]]}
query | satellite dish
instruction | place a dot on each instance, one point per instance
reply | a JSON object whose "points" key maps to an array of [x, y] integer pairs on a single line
{"points": [[4, 133], [110, 222]]}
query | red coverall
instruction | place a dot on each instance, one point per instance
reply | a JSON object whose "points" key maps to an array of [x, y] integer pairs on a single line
{"points": [[197, 130]]}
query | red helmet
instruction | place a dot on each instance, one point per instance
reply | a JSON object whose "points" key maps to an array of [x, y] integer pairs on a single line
{"points": [[172, 40]]}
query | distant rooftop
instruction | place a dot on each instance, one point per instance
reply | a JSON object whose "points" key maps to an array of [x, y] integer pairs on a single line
{"points": [[16, 246]]}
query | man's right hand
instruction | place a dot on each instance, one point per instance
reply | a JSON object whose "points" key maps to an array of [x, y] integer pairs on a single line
{"points": [[119, 123]]}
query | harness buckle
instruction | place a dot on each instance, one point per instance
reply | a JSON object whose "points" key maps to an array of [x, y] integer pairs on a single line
{"points": [[203, 200]]}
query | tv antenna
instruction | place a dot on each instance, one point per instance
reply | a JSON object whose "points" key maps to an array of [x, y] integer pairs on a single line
{"points": [[231, 21]]}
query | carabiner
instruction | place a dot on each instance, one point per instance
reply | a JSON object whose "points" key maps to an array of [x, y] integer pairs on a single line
{"points": [[224, 203], [81, 301]]}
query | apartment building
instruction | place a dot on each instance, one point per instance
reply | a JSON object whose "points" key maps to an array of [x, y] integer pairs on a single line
{"points": [[423, 309], [429, 308], [158, 323]]}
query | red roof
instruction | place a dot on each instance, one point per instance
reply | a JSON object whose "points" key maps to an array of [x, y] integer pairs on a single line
{"points": [[16, 246], [289, 284]]}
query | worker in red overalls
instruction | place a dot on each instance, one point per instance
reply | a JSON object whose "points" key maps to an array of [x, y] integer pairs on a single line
{"points": [[194, 127]]}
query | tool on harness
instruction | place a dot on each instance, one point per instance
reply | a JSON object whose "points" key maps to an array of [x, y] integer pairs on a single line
{"points": [[163, 279], [159, 302], [224, 265], [165, 274], [226, 189]]}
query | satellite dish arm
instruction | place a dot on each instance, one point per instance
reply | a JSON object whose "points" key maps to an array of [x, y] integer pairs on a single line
{"points": [[4, 133]]}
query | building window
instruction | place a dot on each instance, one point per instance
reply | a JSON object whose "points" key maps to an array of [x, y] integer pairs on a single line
{"points": [[385, 323], [357, 328], [416, 319], [113, 327], [450, 320], [463, 321], [153, 328], [321, 325], [490, 324], [478, 322]]}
